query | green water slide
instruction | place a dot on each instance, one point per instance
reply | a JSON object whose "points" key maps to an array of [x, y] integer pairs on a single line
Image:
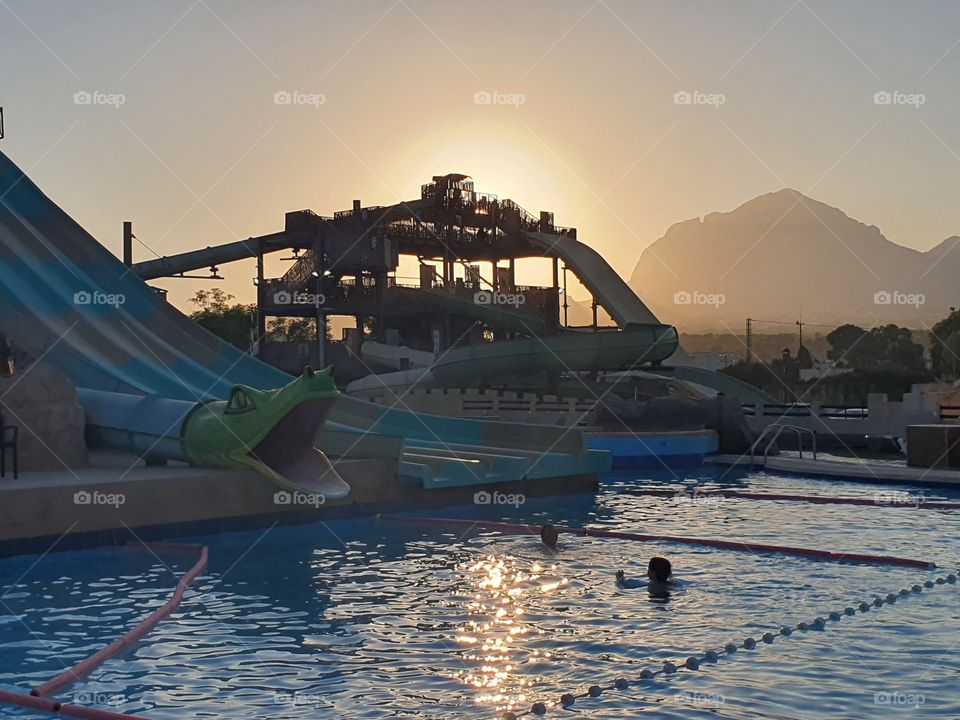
{"points": [[571, 351], [628, 310]]}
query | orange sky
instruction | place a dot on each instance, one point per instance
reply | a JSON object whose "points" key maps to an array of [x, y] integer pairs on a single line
{"points": [[588, 124]]}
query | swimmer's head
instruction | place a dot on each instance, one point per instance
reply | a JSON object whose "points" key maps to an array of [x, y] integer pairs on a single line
{"points": [[549, 535], [659, 569]]}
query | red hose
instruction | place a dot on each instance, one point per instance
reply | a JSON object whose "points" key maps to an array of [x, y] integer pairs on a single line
{"points": [[737, 545], [146, 625], [920, 504]]}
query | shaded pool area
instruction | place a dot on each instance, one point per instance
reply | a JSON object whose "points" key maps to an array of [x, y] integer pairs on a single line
{"points": [[363, 619]]}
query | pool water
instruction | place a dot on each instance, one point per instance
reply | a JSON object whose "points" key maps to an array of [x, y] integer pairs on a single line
{"points": [[367, 619]]}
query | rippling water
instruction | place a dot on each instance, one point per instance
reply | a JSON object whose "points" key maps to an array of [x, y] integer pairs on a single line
{"points": [[362, 619]]}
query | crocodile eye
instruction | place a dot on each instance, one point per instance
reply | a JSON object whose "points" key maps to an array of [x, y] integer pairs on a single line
{"points": [[239, 401]]}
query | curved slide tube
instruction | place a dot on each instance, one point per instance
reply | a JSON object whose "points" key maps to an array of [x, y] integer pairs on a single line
{"points": [[559, 353], [739, 546], [574, 351], [612, 291], [626, 308]]}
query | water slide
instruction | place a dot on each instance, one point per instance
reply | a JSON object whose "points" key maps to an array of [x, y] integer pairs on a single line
{"points": [[626, 308], [66, 300], [610, 290], [564, 352]]}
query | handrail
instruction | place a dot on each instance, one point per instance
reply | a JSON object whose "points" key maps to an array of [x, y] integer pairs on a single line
{"points": [[780, 427]]}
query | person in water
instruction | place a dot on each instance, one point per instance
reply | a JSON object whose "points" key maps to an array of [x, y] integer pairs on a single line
{"points": [[623, 582], [659, 572], [549, 536]]}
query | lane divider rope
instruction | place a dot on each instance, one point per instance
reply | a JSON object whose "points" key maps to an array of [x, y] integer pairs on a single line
{"points": [[694, 662], [736, 545]]}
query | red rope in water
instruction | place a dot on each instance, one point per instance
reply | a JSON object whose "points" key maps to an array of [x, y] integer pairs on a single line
{"points": [[737, 545], [37, 699]]}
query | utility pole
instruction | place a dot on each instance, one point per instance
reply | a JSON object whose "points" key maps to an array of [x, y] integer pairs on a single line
{"points": [[1, 122], [128, 237], [800, 325], [565, 302], [749, 340]]}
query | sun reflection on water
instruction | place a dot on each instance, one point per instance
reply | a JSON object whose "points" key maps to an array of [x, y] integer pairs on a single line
{"points": [[499, 592]]}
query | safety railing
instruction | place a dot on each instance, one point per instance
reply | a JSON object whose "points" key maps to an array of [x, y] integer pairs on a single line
{"points": [[774, 430]]}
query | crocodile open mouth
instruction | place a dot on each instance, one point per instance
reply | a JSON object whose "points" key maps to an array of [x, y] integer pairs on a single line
{"points": [[288, 451]]}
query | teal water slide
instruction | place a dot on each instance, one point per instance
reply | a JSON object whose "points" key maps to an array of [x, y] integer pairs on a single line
{"points": [[66, 300]]}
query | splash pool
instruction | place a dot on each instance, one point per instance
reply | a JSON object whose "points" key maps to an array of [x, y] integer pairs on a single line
{"points": [[367, 619]]}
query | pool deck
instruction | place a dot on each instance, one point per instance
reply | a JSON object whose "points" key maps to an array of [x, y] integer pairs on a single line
{"points": [[846, 470], [117, 499]]}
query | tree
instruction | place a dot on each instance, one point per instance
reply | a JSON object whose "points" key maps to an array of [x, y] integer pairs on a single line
{"points": [[843, 342], [232, 322], [951, 351], [944, 353], [281, 329], [888, 347], [898, 351]]}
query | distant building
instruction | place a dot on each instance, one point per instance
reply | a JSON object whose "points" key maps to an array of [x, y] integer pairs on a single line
{"points": [[713, 360], [822, 369]]}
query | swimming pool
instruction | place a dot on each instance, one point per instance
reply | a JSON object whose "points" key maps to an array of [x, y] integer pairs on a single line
{"points": [[365, 619]]}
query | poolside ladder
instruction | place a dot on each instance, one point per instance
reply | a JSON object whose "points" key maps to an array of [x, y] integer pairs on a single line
{"points": [[779, 428]]}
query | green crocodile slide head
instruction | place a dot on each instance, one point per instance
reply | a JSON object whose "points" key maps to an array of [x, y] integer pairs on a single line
{"points": [[269, 431]]}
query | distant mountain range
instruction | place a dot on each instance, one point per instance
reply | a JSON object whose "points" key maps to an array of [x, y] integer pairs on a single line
{"points": [[784, 256]]}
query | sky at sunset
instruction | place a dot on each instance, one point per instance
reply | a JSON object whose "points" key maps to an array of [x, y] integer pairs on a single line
{"points": [[621, 117]]}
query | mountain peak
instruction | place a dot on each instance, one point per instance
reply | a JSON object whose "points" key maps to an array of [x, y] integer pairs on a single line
{"points": [[787, 256], [784, 198]]}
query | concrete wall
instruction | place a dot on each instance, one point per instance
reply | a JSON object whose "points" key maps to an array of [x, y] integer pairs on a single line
{"points": [[884, 417], [41, 401], [96, 505], [933, 446]]}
